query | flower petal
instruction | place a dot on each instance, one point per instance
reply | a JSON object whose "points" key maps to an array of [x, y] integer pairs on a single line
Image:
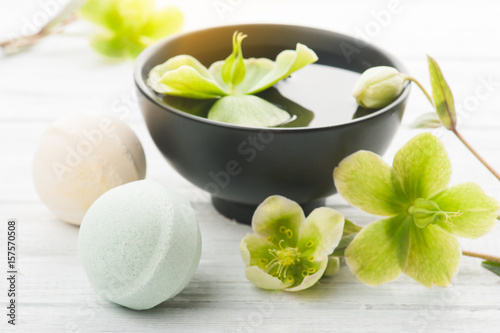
{"points": [[476, 212], [184, 76], [287, 62], [179, 61], [278, 219], [109, 45], [263, 280], [215, 71], [422, 166], [433, 256], [255, 70], [379, 252], [255, 250], [164, 22], [321, 232], [364, 180], [309, 280], [103, 13], [135, 13], [247, 110]]}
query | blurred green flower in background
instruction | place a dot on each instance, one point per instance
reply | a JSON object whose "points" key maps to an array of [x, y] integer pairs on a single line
{"points": [[126, 27]]}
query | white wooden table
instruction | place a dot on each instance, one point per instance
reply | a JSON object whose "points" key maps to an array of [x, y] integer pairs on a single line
{"points": [[63, 75]]}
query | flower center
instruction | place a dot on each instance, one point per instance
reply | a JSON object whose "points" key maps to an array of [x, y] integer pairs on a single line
{"points": [[283, 258], [425, 212]]}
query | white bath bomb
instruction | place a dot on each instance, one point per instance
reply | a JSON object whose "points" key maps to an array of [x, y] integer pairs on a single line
{"points": [[139, 244], [80, 157]]}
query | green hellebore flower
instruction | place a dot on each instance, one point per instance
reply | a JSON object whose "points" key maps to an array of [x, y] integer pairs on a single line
{"points": [[233, 82], [128, 26], [378, 87], [288, 251], [423, 215]]}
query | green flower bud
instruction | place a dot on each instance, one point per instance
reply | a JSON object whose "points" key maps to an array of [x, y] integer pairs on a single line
{"points": [[378, 87]]}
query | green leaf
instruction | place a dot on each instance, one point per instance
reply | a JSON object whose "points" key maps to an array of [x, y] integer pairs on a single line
{"points": [[247, 110], [443, 98], [373, 192], [472, 213], [261, 76], [379, 252], [278, 219], [433, 256], [422, 167], [493, 267], [427, 120], [164, 22], [184, 76], [350, 228], [320, 233]]}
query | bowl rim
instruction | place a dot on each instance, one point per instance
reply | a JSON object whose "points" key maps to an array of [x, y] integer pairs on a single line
{"points": [[154, 48]]}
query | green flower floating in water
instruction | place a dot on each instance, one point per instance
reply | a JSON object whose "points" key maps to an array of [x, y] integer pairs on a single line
{"points": [[288, 251], [424, 216], [233, 82], [126, 27]]}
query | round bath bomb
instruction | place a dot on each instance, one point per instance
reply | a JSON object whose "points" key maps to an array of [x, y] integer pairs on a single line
{"points": [[139, 244], [80, 157]]}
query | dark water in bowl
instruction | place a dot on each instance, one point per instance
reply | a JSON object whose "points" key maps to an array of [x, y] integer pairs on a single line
{"points": [[315, 96]]}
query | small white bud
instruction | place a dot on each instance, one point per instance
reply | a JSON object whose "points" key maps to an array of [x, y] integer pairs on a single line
{"points": [[378, 87]]}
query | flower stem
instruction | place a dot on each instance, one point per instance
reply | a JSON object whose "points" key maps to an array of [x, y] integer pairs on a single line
{"points": [[412, 79], [455, 131], [481, 256], [13, 45], [473, 151]]}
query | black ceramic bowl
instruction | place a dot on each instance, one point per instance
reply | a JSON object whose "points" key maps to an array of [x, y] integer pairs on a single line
{"points": [[241, 166]]}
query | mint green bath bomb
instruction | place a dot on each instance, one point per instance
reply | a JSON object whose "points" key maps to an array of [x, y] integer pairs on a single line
{"points": [[139, 244]]}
